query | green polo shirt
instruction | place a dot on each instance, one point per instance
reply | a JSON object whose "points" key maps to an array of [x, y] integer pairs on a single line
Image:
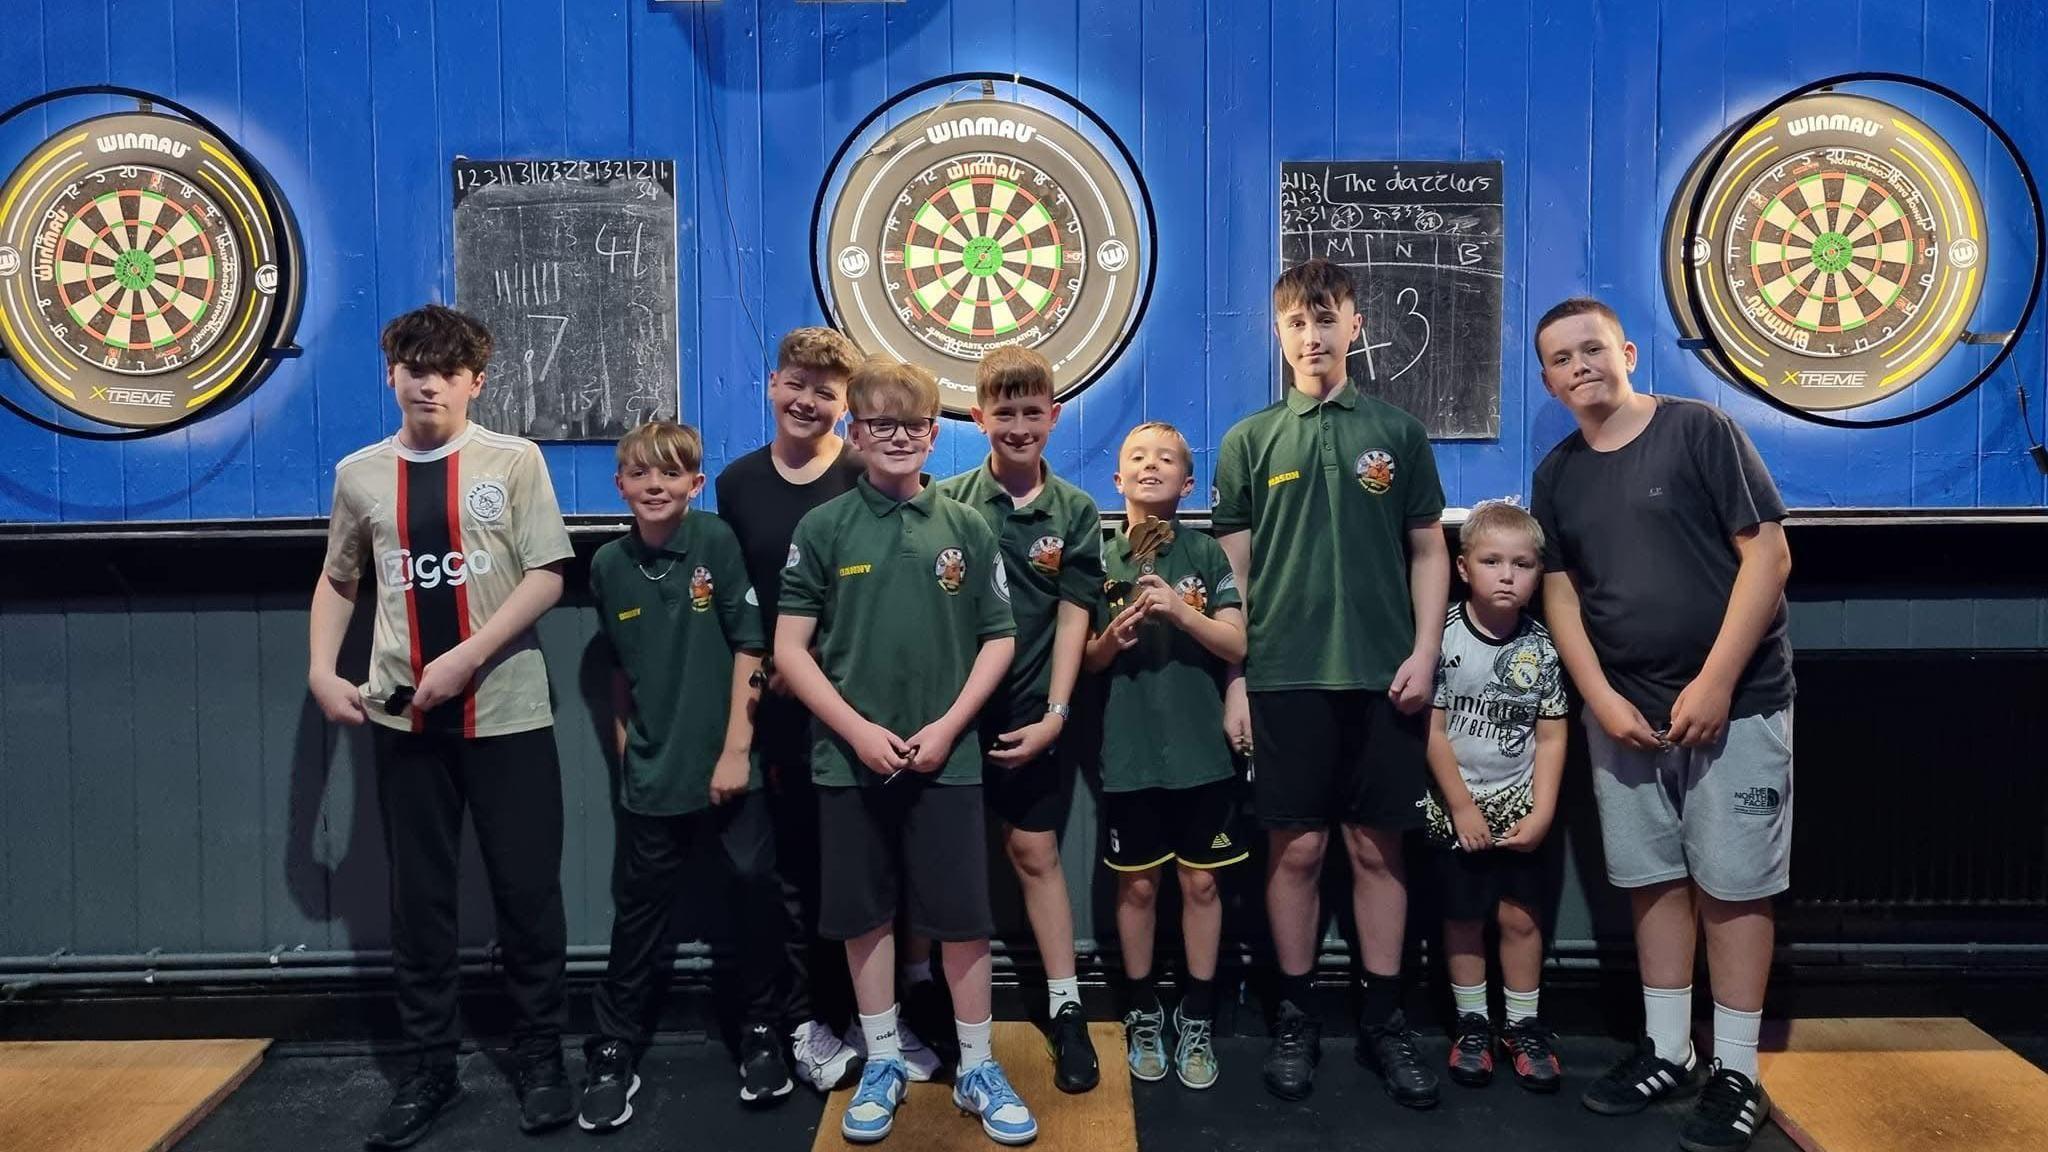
{"points": [[1161, 704], [1052, 549], [675, 615], [1328, 491], [905, 594]]}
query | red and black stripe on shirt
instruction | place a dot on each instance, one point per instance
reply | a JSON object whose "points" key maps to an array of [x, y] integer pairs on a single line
{"points": [[436, 616]]}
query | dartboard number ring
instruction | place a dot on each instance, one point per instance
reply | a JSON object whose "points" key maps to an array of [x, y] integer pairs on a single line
{"points": [[147, 268], [993, 224], [1839, 254]]}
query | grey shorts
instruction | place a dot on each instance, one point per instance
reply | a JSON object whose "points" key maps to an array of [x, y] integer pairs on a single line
{"points": [[1721, 815]]}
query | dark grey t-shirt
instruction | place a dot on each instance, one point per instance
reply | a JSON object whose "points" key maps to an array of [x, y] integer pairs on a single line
{"points": [[1648, 531]]}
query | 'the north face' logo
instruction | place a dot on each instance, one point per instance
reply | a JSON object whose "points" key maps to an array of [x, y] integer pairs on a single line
{"points": [[1758, 801], [1375, 471]]}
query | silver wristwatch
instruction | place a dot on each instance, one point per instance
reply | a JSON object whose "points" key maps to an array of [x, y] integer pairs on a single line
{"points": [[1062, 711]]}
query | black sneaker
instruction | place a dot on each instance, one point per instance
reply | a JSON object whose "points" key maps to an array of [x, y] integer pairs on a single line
{"points": [[1073, 1054], [1641, 1080], [1730, 1109], [608, 1091], [545, 1099], [1389, 1049], [764, 1073], [1472, 1051], [424, 1094], [1532, 1047], [1292, 1057]]}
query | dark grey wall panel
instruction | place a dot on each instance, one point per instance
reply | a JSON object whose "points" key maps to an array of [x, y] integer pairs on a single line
{"points": [[38, 808], [166, 736], [100, 695], [232, 865]]}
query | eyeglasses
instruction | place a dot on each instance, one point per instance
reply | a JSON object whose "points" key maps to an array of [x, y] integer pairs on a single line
{"points": [[886, 427]]}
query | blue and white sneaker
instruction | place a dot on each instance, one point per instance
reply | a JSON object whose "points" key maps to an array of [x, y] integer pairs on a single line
{"points": [[872, 1112], [983, 1090]]}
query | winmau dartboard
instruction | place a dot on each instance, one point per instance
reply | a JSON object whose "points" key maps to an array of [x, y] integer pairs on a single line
{"points": [[1839, 255], [980, 225], [140, 269]]}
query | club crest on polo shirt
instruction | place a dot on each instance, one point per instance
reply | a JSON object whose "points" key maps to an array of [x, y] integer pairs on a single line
{"points": [[1046, 552], [486, 501], [1193, 592], [700, 589], [951, 569], [1000, 580], [1375, 471]]}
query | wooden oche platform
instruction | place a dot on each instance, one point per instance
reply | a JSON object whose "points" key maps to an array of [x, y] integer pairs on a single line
{"points": [[1902, 1085], [115, 1096], [1097, 1121]]}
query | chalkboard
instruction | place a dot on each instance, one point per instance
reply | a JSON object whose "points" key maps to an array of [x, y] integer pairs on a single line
{"points": [[1424, 244], [572, 266]]}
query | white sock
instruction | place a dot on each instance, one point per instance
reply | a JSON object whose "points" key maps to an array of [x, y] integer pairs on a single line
{"points": [[974, 1042], [915, 973], [1735, 1035], [879, 1031], [1469, 998], [1521, 1005], [1059, 993], [1667, 1017]]}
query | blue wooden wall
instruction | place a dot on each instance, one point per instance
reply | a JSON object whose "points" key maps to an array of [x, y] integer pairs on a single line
{"points": [[1596, 107]]}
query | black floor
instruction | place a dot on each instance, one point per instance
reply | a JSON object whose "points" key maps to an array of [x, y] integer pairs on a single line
{"points": [[302, 1101]]}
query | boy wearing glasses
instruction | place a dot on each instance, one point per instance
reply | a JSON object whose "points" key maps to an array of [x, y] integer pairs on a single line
{"points": [[905, 598], [1051, 538]]}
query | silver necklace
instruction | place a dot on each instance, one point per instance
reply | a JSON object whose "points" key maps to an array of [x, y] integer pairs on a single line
{"points": [[664, 571]]}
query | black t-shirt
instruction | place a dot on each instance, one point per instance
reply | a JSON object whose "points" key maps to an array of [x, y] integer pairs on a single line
{"points": [[763, 509], [1648, 530]]}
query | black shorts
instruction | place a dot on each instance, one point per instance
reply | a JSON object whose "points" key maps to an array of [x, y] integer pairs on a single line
{"points": [[1471, 885], [1154, 826], [1348, 757], [1033, 798], [914, 842]]}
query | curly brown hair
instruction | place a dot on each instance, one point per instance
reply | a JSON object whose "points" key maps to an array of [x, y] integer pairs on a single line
{"points": [[436, 338]]}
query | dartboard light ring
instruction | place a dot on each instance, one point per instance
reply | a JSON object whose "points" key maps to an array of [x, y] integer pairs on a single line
{"points": [[148, 271], [980, 224], [1839, 253]]}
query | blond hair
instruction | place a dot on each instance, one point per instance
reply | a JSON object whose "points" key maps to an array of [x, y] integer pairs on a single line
{"points": [[1499, 516], [662, 444], [1012, 374], [818, 350], [884, 387]]}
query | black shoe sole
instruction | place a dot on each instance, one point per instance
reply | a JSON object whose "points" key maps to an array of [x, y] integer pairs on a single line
{"points": [[625, 1115], [1470, 1079], [1070, 1085], [376, 1145], [546, 1123], [768, 1099], [1540, 1087], [1290, 1095]]}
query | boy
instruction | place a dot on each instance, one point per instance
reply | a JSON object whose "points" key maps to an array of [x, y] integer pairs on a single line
{"points": [[762, 495], [1328, 506], [905, 596], [460, 527], [1169, 632], [1496, 753], [674, 601], [1665, 590], [1051, 538]]}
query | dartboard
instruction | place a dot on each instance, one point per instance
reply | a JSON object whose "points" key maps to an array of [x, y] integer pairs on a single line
{"points": [[140, 269], [985, 224], [1839, 254]]}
